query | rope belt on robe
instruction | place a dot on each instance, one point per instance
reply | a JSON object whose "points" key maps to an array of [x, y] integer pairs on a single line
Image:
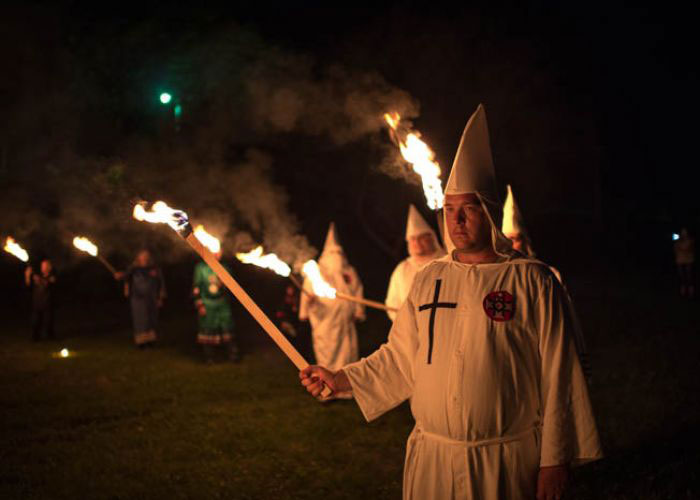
{"points": [[419, 431]]}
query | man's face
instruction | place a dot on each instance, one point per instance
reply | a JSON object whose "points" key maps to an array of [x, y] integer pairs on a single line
{"points": [[143, 259], [467, 223], [517, 240], [46, 267], [421, 245]]}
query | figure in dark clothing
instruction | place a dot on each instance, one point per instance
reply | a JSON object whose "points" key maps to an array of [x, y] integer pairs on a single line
{"points": [[287, 313], [287, 316], [145, 288], [684, 249], [42, 285]]}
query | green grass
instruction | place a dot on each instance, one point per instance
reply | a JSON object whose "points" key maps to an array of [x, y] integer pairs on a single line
{"points": [[114, 422]]}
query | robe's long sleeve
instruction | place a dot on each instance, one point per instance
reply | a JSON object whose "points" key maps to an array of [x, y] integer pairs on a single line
{"points": [[384, 379], [393, 294], [569, 433], [305, 301]]}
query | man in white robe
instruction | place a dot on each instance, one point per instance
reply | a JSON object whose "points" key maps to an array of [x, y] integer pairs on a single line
{"points": [[513, 226], [333, 332], [423, 247], [483, 347]]}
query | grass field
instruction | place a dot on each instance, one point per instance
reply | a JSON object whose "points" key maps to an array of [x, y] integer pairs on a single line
{"points": [[114, 422]]}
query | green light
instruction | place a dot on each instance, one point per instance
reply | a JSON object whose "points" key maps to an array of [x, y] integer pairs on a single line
{"points": [[177, 110], [165, 98]]}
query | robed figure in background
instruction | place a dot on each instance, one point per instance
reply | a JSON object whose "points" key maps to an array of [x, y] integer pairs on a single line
{"points": [[513, 227], [42, 285], [423, 247], [144, 286], [333, 333], [211, 299], [684, 251], [484, 350]]}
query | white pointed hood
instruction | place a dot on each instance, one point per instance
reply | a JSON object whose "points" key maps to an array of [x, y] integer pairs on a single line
{"points": [[473, 172], [331, 244], [416, 224], [513, 223], [512, 218], [332, 259]]}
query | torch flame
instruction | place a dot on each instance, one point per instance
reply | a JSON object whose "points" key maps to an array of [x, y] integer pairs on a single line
{"points": [[161, 213], [206, 239], [11, 246], [392, 119], [267, 261], [85, 245], [422, 158], [320, 286]]}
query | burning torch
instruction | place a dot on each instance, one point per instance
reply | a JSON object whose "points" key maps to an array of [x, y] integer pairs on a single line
{"points": [[322, 288], [416, 152], [12, 247], [310, 269], [178, 221], [85, 245]]}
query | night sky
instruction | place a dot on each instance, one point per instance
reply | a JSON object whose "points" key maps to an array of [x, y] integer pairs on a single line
{"points": [[591, 107]]}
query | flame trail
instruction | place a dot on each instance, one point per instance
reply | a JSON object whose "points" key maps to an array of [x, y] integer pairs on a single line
{"points": [[209, 241], [12, 247], [267, 261], [421, 157], [85, 245], [319, 285]]}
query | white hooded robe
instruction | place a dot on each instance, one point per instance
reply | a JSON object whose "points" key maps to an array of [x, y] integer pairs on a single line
{"points": [[402, 276], [486, 355], [333, 332]]}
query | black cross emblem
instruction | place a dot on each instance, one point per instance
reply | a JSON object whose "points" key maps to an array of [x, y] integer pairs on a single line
{"points": [[433, 309]]}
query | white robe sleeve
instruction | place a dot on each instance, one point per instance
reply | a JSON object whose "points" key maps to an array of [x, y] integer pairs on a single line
{"points": [[569, 433], [579, 338], [393, 294], [384, 379], [305, 301], [359, 292]]}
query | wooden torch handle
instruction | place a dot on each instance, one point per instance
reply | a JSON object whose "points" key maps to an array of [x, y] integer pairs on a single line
{"points": [[106, 264], [257, 313], [367, 302]]}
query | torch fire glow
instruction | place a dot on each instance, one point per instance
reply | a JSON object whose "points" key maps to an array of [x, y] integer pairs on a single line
{"points": [[421, 157], [267, 261], [85, 245], [177, 219], [211, 242], [12, 247], [310, 269], [322, 288]]}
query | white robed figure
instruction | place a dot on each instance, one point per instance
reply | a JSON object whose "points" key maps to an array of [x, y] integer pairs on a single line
{"points": [[484, 350], [333, 330], [513, 227], [423, 247]]}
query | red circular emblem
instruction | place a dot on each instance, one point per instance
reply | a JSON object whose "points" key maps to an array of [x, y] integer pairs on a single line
{"points": [[499, 306]]}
